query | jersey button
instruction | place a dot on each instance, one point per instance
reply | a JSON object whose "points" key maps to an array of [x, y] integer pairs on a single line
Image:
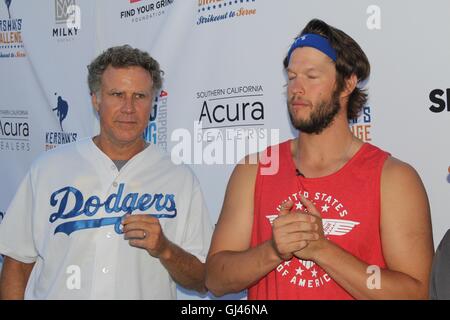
{"points": [[105, 270], [109, 235], [115, 184]]}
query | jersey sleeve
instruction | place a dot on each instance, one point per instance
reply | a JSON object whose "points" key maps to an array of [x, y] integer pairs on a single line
{"points": [[198, 231], [16, 233]]}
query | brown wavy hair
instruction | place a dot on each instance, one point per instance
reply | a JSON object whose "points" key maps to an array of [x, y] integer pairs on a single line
{"points": [[123, 57], [351, 59]]}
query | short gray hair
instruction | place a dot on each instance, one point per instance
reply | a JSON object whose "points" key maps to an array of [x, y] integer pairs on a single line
{"points": [[123, 57]]}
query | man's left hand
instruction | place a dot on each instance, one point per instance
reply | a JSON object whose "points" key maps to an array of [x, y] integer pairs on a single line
{"points": [[311, 251], [144, 231]]}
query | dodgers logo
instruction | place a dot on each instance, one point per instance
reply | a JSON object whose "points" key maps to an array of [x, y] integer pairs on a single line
{"points": [[164, 205], [62, 109]]}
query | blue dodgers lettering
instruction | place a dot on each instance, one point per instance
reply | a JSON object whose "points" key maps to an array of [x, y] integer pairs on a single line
{"points": [[66, 191], [70, 203], [116, 198], [72, 226]]}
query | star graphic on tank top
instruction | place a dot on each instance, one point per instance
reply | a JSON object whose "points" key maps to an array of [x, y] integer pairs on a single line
{"points": [[299, 271], [325, 208], [298, 206], [287, 263], [314, 273]]}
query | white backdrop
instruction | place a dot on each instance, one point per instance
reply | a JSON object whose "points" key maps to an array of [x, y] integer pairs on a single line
{"points": [[223, 55]]}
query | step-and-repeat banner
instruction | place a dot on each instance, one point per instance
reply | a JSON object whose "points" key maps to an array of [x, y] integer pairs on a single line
{"points": [[224, 90]]}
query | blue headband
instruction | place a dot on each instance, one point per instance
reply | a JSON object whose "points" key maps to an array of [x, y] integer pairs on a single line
{"points": [[313, 40]]}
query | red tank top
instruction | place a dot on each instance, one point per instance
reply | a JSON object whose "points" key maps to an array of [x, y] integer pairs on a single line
{"points": [[349, 201]]}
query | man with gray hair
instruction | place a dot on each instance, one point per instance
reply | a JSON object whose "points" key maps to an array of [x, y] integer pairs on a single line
{"points": [[108, 217]]}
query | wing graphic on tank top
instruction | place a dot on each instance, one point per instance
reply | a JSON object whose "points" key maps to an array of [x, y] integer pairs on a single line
{"points": [[271, 217], [331, 227], [337, 227]]}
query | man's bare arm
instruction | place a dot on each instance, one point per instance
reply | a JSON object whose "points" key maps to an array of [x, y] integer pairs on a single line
{"points": [[231, 265], [184, 268], [144, 231], [406, 242], [14, 278]]}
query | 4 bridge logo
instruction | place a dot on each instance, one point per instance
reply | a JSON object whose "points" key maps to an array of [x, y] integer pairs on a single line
{"points": [[219, 10], [55, 138], [156, 131], [11, 44]]}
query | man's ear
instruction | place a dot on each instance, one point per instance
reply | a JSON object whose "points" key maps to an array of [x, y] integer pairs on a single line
{"points": [[350, 85], [95, 101]]}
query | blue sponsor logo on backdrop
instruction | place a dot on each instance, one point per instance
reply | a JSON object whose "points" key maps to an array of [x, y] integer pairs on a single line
{"points": [[361, 126], [62, 108], [8, 4], [55, 138]]}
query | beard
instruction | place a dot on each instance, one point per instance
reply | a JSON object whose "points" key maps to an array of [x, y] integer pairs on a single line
{"points": [[321, 117]]}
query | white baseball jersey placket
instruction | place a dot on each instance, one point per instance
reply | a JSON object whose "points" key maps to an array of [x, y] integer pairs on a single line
{"points": [[107, 246]]}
